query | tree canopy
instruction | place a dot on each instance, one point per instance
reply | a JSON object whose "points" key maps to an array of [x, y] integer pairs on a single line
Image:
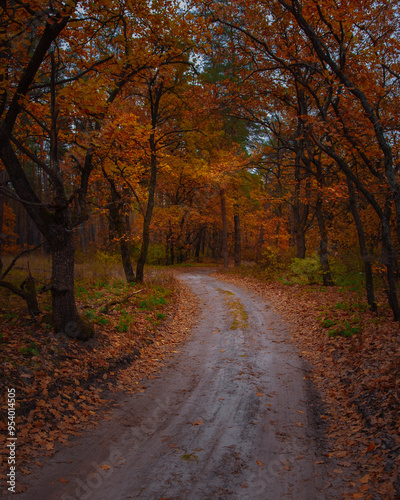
{"points": [[244, 130]]}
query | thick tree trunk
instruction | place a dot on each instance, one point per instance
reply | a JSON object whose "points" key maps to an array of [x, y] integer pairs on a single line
{"points": [[224, 229], [55, 229], [300, 243], [369, 278], [66, 318], [238, 240]]}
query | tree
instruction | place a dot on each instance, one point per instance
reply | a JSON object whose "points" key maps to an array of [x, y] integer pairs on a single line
{"points": [[63, 69], [349, 115]]}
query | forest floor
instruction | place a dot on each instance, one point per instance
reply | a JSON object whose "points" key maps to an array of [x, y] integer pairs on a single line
{"points": [[63, 386], [350, 355]]}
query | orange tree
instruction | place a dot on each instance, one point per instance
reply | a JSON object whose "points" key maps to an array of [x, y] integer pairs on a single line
{"points": [[344, 69], [64, 67]]}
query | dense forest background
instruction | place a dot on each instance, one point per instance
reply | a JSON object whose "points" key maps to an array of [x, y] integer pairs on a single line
{"points": [[165, 132]]}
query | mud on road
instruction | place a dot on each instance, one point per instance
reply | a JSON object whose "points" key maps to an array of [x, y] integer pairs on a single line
{"points": [[228, 417]]}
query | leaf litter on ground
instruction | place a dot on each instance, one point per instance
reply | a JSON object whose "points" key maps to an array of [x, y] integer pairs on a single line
{"points": [[64, 386]]}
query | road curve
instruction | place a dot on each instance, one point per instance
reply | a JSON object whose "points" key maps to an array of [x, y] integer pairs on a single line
{"points": [[227, 418]]}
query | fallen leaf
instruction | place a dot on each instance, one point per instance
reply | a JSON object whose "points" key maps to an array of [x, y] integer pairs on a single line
{"points": [[198, 422]]}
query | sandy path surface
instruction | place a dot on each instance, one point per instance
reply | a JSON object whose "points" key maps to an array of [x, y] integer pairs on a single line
{"points": [[227, 418]]}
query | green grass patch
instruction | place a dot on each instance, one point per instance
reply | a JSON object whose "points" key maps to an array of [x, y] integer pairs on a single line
{"points": [[32, 349], [351, 306], [342, 327], [124, 322], [152, 302]]}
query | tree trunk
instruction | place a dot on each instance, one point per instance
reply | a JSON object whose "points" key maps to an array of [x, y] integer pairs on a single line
{"points": [[369, 278], [118, 229], [149, 212], [170, 252], [389, 260], [126, 260], [199, 244], [300, 209], [300, 243], [30, 295], [224, 229], [66, 318], [238, 239], [260, 243], [323, 248]]}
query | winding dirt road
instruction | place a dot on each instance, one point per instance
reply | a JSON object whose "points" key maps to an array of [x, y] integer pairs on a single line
{"points": [[228, 418]]}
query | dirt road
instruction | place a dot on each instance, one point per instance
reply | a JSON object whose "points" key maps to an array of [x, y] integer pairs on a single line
{"points": [[228, 418]]}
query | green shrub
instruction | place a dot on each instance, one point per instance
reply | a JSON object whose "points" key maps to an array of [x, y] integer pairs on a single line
{"points": [[156, 255], [327, 323], [124, 322], [307, 270], [346, 329], [152, 302], [340, 328]]}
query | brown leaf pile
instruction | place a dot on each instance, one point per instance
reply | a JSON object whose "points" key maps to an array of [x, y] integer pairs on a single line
{"points": [[358, 378]]}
